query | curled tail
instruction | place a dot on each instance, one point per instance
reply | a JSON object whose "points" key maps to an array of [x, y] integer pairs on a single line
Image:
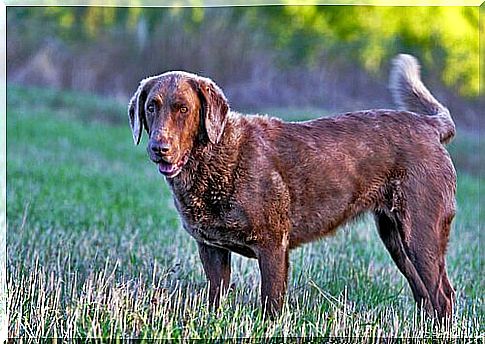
{"points": [[410, 94]]}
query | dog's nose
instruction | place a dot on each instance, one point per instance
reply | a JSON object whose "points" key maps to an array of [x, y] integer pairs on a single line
{"points": [[159, 148]]}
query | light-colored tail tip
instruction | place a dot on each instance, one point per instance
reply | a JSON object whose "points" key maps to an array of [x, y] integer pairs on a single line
{"points": [[406, 61], [405, 68]]}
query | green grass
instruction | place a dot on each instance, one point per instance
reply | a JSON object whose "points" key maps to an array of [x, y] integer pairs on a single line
{"points": [[95, 247]]}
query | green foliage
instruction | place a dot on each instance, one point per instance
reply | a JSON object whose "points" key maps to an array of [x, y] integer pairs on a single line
{"points": [[96, 248], [482, 52], [444, 38]]}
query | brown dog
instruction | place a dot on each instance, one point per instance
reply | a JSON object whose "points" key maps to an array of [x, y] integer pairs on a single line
{"points": [[258, 186]]}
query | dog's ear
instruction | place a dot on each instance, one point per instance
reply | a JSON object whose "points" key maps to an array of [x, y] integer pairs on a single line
{"points": [[136, 109], [214, 107]]}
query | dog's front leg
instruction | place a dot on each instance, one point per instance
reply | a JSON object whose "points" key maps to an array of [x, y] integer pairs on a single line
{"points": [[273, 264], [217, 267]]}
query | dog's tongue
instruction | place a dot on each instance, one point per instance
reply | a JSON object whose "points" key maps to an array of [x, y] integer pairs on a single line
{"points": [[166, 168]]}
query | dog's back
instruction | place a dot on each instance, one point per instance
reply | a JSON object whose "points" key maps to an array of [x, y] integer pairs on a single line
{"points": [[335, 168]]}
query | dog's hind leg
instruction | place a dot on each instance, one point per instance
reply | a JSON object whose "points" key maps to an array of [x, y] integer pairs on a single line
{"points": [[427, 239], [445, 283], [389, 229]]}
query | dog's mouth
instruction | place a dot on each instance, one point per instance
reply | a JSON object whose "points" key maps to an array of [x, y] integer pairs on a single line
{"points": [[170, 170]]}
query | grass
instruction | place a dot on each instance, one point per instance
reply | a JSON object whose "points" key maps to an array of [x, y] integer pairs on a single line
{"points": [[95, 247]]}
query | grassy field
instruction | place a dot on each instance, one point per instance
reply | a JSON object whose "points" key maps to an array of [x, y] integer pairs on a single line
{"points": [[95, 247]]}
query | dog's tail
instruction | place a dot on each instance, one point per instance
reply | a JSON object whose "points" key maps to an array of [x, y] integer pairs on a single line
{"points": [[410, 94]]}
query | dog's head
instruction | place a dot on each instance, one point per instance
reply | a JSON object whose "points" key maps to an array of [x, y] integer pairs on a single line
{"points": [[178, 110]]}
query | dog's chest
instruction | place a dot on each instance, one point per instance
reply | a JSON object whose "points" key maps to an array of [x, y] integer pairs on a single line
{"points": [[213, 217]]}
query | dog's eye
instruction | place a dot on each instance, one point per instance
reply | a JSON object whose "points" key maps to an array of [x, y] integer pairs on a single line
{"points": [[183, 109], [151, 108]]}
